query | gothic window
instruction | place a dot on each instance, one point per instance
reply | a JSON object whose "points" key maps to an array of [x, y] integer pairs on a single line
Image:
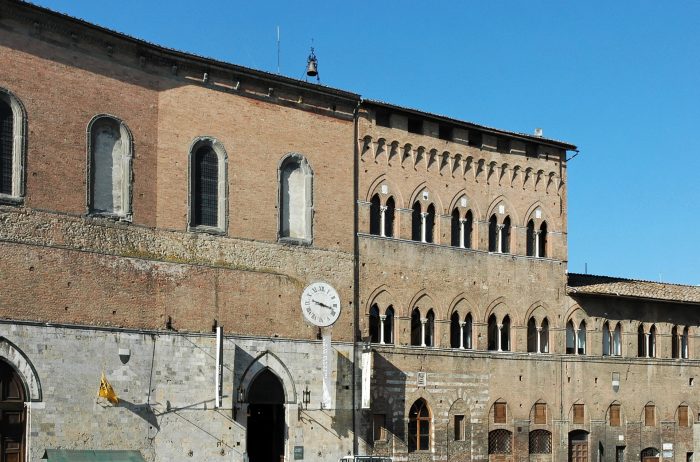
{"points": [[296, 198], [467, 332], [505, 334], [531, 237], [581, 344], [500, 411], [499, 334], [416, 222], [110, 160], [614, 415], [374, 215], [532, 336], [649, 415], [12, 147], [468, 229], [537, 336], [419, 423], [456, 229], [683, 416], [492, 333], [500, 441], [540, 442], [389, 325], [505, 235], [389, 217], [641, 342], [416, 328], [684, 344], [617, 340], [540, 414], [570, 338], [542, 241], [651, 347], [429, 224], [607, 338], [612, 341], [579, 413], [374, 324], [208, 166], [430, 329], [493, 233], [455, 331], [462, 229], [675, 343]]}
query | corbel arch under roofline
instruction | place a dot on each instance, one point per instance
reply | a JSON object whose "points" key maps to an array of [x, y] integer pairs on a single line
{"points": [[277, 366], [24, 367]]}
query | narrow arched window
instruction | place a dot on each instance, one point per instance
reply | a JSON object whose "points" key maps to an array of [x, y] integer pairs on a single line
{"points": [[456, 340], [430, 329], [468, 229], [467, 332], [389, 217], [641, 342], [493, 334], [374, 324], [430, 224], [457, 231], [375, 215], [617, 340], [684, 344], [530, 238], [675, 343], [416, 222], [544, 336], [296, 199], [493, 233], [542, 241], [505, 334], [532, 336], [582, 338], [651, 348], [208, 200], [570, 338], [110, 167], [419, 426], [607, 340], [416, 328], [12, 147], [505, 236], [389, 325]]}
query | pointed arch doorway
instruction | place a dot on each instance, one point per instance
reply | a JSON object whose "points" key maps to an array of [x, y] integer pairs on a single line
{"points": [[266, 419], [12, 414]]}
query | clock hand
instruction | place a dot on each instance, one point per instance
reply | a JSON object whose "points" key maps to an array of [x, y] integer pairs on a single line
{"points": [[322, 304]]}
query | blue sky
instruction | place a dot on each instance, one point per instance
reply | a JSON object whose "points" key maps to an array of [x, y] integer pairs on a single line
{"points": [[621, 80]]}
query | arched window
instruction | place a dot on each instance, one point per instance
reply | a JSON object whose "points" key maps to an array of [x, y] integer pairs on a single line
{"points": [[416, 222], [12, 147], [389, 217], [389, 325], [208, 185], [493, 333], [467, 332], [650, 455], [544, 336], [419, 426], [531, 237], [505, 235], [374, 324], [684, 344], [537, 336], [607, 340], [532, 336], [109, 179], [542, 241], [540, 442], [457, 232], [430, 224], [651, 348], [456, 331], [641, 342], [617, 340], [468, 229], [374, 215], [296, 199], [493, 233], [430, 329], [500, 441], [582, 338], [570, 338], [416, 328], [505, 334], [675, 343]]}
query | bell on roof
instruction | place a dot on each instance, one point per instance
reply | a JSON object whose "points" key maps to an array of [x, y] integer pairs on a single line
{"points": [[312, 65]]}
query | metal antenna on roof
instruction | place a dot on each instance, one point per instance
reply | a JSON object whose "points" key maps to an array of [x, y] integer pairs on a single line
{"points": [[278, 49]]}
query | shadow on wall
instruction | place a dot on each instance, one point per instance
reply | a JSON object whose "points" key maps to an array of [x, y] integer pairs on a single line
{"points": [[388, 402], [342, 422]]}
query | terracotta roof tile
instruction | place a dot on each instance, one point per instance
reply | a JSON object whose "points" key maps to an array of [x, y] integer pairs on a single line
{"points": [[588, 284]]}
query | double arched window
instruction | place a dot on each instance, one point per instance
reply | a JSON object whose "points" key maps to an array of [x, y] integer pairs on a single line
{"points": [[422, 329], [381, 216], [423, 223], [109, 173], [538, 336], [12, 147], [381, 326], [462, 227], [499, 333], [536, 239], [612, 340], [419, 426], [575, 338], [499, 234], [208, 198], [295, 199], [461, 331], [679, 342], [646, 342]]}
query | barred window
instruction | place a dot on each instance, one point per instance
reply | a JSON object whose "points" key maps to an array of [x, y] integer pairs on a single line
{"points": [[6, 144], [540, 442], [12, 147], [500, 442], [206, 198]]}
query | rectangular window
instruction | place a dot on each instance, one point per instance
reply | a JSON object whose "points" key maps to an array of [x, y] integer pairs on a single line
{"points": [[614, 415], [619, 454], [415, 126], [475, 139], [459, 428], [578, 414], [540, 413], [499, 413], [683, 416], [379, 427], [649, 418], [445, 132], [383, 118]]}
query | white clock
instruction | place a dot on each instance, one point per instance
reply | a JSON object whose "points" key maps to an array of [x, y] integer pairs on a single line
{"points": [[320, 304]]}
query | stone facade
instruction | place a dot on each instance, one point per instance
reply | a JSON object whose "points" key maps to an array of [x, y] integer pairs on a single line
{"points": [[445, 240]]}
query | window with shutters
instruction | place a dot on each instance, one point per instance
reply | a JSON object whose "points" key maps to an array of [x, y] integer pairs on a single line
{"points": [[649, 415], [540, 442], [500, 442], [12, 148], [208, 186], [296, 199], [540, 413], [499, 413], [614, 417], [379, 432], [683, 416], [460, 433], [579, 417], [419, 423], [109, 169]]}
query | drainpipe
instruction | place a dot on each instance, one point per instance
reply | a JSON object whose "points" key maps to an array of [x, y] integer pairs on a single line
{"points": [[356, 272]]}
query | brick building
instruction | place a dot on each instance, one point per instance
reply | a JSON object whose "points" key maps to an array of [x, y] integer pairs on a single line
{"points": [[150, 198]]}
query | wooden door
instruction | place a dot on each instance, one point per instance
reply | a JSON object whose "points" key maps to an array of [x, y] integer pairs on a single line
{"points": [[12, 416], [578, 451]]}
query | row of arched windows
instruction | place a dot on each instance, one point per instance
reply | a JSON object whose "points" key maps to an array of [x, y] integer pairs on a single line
{"points": [[423, 219], [110, 171], [422, 333]]}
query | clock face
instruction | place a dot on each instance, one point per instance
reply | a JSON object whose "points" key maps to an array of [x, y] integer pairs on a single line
{"points": [[320, 304]]}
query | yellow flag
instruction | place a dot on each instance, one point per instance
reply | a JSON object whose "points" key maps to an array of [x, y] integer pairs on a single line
{"points": [[106, 390]]}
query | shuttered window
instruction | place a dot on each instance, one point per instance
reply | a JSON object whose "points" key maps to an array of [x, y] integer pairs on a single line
{"points": [[540, 413], [206, 191], [649, 417], [6, 143], [459, 428], [683, 416], [499, 413], [578, 413], [615, 415]]}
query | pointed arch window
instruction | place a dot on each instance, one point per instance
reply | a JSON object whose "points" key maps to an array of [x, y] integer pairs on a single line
{"points": [[12, 148], [381, 326], [110, 160], [460, 331], [388, 218], [493, 233], [208, 201], [417, 222], [388, 326], [416, 328], [570, 338], [531, 238], [296, 199], [374, 324], [537, 336], [467, 332], [675, 343], [612, 340], [505, 235], [499, 334], [542, 241], [462, 229], [581, 343], [419, 426], [429, 224], [429, 329], [684, 344], [375, 215], [423, 223]]}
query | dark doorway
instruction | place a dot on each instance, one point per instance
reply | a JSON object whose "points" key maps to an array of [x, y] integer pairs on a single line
{"points": [[12, 415], [266, 425], [578, 446]]}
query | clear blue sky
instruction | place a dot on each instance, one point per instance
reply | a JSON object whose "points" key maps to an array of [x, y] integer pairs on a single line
{"points": [[620, 79]]}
